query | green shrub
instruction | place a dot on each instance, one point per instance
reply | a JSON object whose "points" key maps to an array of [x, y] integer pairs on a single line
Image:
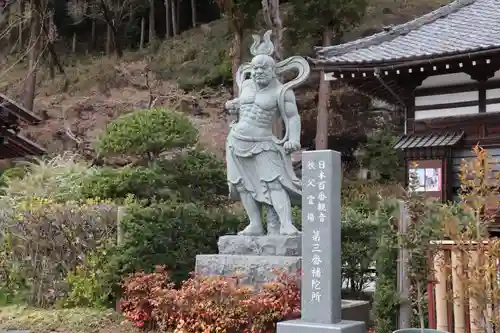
{"points": [[11, 173], [44, 240], [141, 182], [386, 297], [147, 133], [91, 284], [197, 175], [193, 176], [358, 248], [13, 287], [171, 234], [59, 179], [379, 156]]}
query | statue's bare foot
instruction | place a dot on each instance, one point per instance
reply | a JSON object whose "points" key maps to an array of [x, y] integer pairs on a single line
{"points": [[289, 230], [252, 230]]}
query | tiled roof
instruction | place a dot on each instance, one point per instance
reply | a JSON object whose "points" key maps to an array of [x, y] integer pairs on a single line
{"points": [[429, 140], [461, 26], [12, 144], [12, 108]]}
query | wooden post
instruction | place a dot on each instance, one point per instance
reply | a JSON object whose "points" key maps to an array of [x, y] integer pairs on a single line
{"points": [[440, 290], [120, 215], [405, 310], [459, 304], [474, 306]]}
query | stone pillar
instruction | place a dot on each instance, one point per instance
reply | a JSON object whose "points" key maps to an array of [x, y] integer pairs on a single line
{"points": [[321, 249]]}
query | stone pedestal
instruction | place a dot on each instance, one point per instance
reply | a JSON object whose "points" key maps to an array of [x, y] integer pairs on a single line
{"points": [[300, 326], [260, 245], [255, 270], [254, 257]]}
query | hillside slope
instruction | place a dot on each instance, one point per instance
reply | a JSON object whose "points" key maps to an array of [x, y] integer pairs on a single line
{"points": [[188, 73]]}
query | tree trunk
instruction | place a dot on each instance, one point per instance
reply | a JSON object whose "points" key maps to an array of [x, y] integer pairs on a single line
{"points": [[152, 32], [272, 18], [178, 15], [116, 42], [271, 12], [237, 56], [20, 28], [143, 28], [193, 13], [92, 36], [73, 43], [174, 17], [34, 45], [168, 19], [111, 29], [323, 98], [108, 40]]}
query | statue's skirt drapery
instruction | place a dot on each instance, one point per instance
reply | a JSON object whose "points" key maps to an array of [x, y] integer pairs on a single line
{"points": [[257, 165]]}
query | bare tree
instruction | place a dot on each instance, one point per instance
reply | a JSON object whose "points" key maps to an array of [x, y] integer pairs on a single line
{"points": [[175, 23], [168, 18], [272, 17], [240, 15], [34, 52], [152, 32], [193, 13], [114, 13]]}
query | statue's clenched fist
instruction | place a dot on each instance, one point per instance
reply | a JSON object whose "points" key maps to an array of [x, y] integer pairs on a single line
{"points": [[232, 106], [291, 146]]}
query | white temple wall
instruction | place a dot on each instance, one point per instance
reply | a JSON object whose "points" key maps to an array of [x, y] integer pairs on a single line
{"points": [[454, 104]]}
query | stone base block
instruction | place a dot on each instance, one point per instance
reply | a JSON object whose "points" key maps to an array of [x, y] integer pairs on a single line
{"points": [[255, 270], [355, 310], [300, 326], [261, 245]]}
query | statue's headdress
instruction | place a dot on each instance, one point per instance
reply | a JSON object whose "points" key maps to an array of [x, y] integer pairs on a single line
{"points": [[264, 46]]}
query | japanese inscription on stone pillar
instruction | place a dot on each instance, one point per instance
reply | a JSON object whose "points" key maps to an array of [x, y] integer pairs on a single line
{"points": [[321, 250]]}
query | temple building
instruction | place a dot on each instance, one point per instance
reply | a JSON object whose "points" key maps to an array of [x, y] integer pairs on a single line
{"points": [[443, 71], [13, 144]]}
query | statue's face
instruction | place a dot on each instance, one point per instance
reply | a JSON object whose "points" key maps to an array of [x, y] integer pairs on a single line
{"points": [[262, 69]]}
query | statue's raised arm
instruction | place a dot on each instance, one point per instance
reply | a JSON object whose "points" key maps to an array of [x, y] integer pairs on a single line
{"points": [[259, 166]]}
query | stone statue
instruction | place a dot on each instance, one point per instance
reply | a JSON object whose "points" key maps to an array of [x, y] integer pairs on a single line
{"points": [[259, 165]]}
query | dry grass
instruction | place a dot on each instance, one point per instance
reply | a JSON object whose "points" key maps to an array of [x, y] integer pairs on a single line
{"points": [[78, 320]]}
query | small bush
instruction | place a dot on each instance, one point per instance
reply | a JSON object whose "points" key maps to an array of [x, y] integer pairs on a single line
{"points": [[197, 175], [172, 234], [147, 133], [58, 179], [141, 182], [359, 244], [91, 284], [208, 304], [44, 240], [386, 295], [11, 173], [379, 156]]}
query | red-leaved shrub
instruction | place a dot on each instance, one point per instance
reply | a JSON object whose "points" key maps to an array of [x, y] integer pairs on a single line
{"points": [[208, 304]]}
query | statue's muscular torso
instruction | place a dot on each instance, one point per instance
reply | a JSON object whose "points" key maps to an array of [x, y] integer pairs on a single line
{"points": [[257, 109]]}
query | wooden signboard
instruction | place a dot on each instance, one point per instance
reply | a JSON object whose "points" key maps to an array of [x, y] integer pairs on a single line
{"points": [[428, 177]]}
